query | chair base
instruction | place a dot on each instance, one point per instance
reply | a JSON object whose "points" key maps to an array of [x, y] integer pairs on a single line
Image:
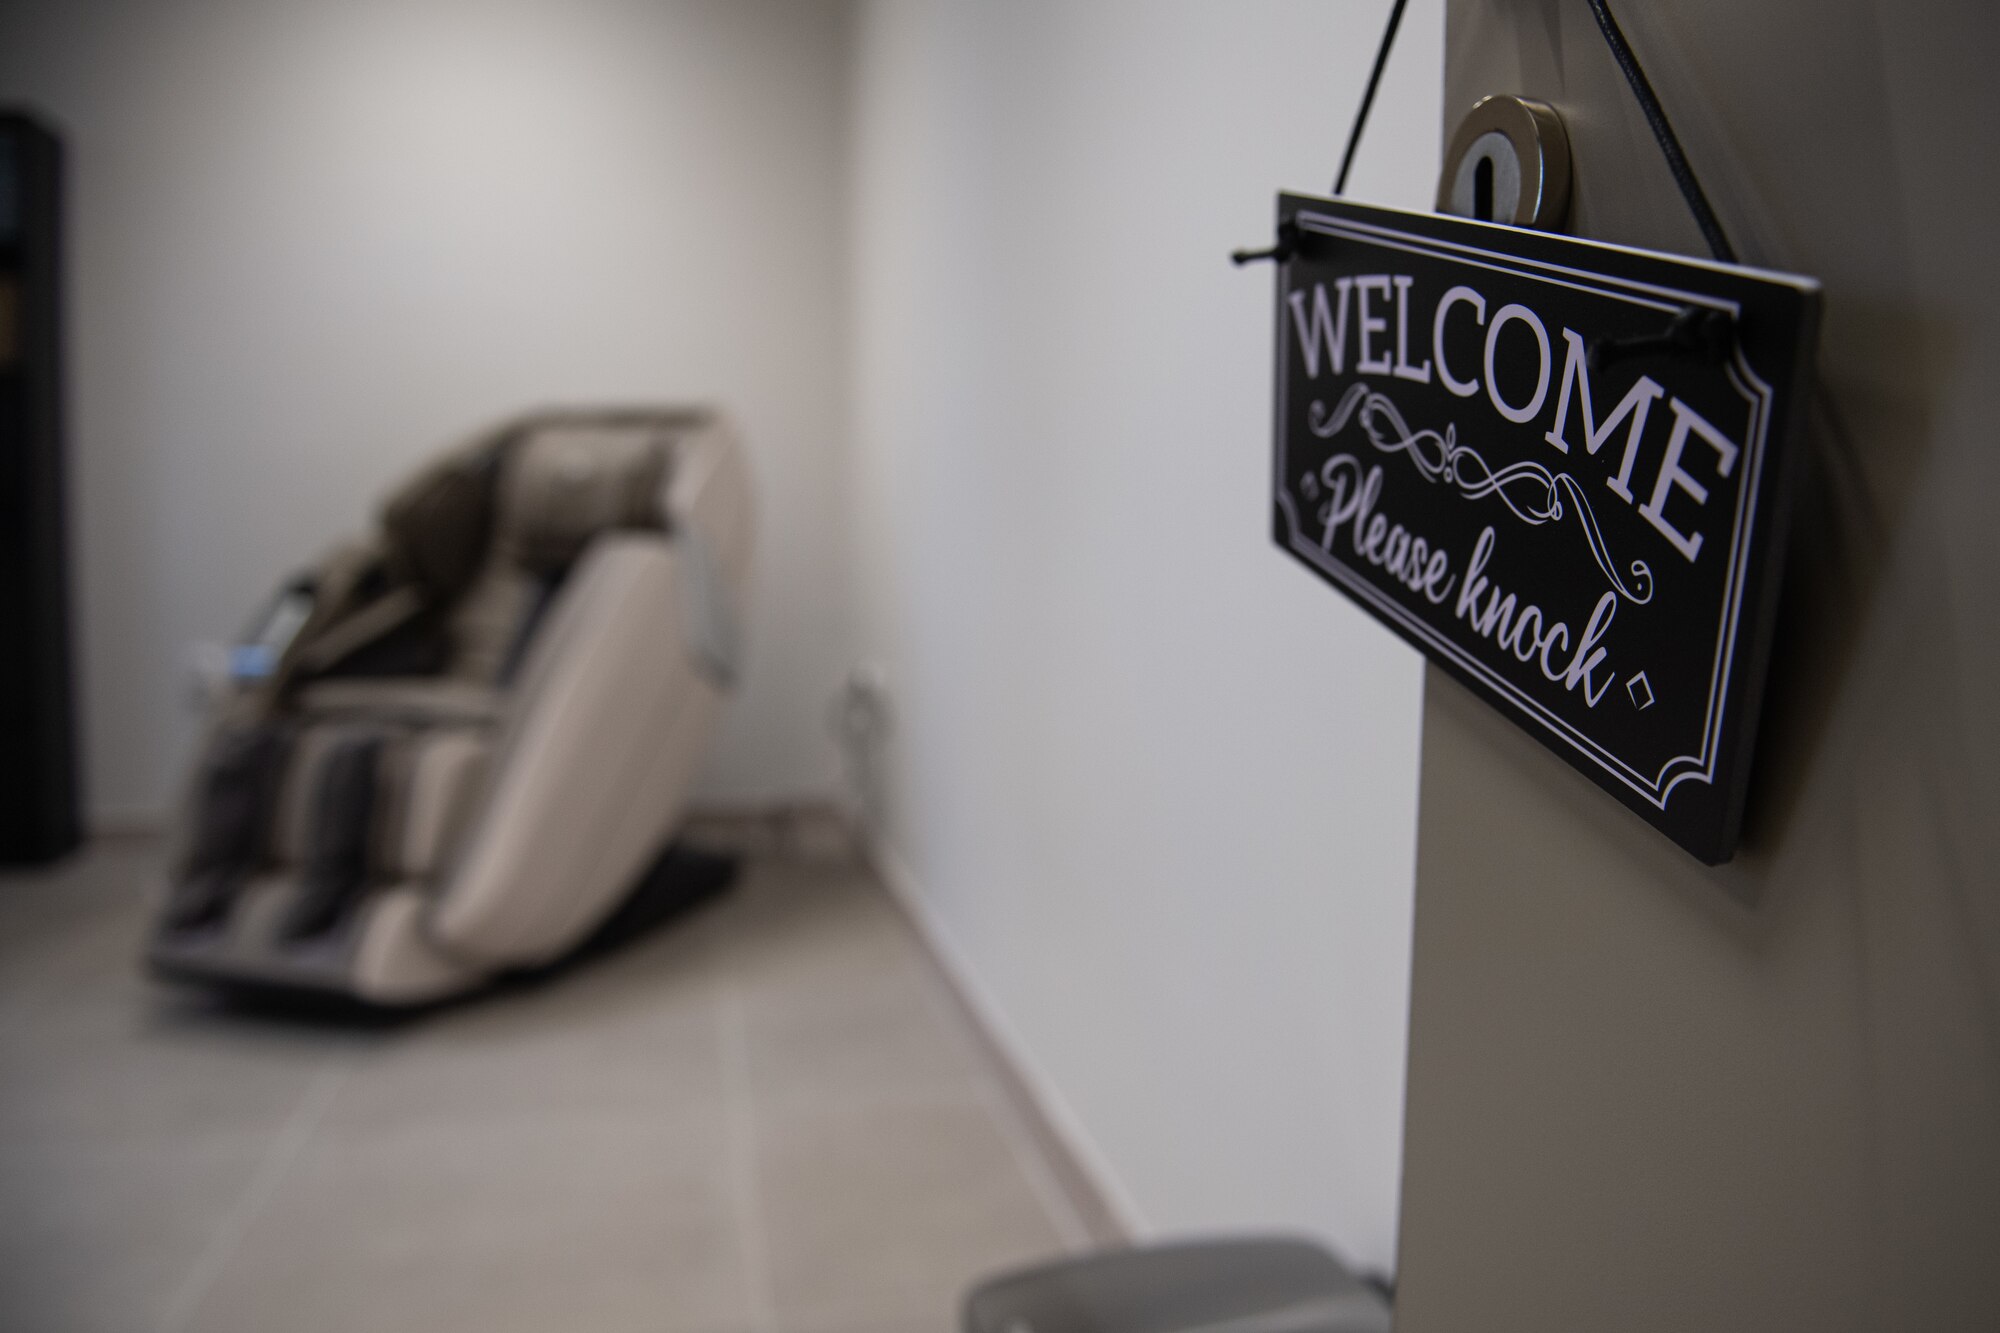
{"points": [[380, 954]]}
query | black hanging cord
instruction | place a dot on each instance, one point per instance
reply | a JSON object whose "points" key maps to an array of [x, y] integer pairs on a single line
{"points": [[1288, 233], [1368, 97], [1642, 89], [1670, 144]]}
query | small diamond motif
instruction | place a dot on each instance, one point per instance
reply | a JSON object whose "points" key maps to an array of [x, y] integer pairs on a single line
{"points": [[1641, 691]]}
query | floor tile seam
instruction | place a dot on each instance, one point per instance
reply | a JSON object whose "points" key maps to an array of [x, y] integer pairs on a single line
{"points": [[277, 1164], [637, 1060], [473, 1125], [752, 1232], [960, 1093], [903, 1307]]}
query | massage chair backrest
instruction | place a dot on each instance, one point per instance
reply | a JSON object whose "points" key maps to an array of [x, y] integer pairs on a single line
{"points": [[561, 483], [474, 544]]}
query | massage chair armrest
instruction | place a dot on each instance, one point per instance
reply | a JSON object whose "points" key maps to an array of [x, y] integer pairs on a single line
{"points": [[596, 750]]}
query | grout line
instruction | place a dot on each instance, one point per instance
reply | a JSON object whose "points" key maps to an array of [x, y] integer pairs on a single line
{"points": [[739, 1117], [948, 1090], [277, 1164]]}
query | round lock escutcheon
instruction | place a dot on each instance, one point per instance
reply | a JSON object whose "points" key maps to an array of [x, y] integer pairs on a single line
{"points": [[1508, 162]]}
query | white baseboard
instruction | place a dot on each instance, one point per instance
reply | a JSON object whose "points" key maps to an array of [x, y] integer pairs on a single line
{"points": [[1054, 1110]]}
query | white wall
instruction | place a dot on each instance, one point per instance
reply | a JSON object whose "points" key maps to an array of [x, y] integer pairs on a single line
{"points": [[313, 243], [1151, 783]]}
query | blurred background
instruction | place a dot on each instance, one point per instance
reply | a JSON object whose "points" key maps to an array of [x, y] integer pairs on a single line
{"points": [[1074, 829], [814, 788]]}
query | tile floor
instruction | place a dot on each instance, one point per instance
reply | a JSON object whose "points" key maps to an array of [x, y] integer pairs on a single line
{"points": [[769, 1117]]}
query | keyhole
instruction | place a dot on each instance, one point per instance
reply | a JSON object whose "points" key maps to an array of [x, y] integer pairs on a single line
{"points": [[1486, 183]]}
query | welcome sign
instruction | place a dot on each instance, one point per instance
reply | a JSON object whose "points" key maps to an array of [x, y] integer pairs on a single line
{"points": [[1559, 468]]}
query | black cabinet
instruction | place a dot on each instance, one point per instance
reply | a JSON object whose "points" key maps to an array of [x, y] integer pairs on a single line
{"points": [[38, 776]]}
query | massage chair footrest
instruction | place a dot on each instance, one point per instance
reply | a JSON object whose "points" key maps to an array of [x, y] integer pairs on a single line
{"points": [[376, 951]]}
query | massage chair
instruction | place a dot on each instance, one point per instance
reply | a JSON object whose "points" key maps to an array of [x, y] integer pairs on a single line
{"points": [[448, 752]]}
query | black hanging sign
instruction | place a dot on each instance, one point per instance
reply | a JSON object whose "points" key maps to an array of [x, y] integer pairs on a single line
{"points": [[1559, 468]]}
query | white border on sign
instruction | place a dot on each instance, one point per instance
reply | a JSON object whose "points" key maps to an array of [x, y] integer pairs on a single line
{"points": [[1756, 393]]}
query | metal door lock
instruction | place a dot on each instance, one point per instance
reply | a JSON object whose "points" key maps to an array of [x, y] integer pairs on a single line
{"points": [[1509, 162]]}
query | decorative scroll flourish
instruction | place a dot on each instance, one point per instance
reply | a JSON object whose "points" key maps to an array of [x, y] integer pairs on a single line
{"points": [[1533, 493]]}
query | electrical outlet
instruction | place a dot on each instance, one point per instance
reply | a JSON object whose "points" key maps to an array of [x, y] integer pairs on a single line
{"points": [[862, 717]]}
